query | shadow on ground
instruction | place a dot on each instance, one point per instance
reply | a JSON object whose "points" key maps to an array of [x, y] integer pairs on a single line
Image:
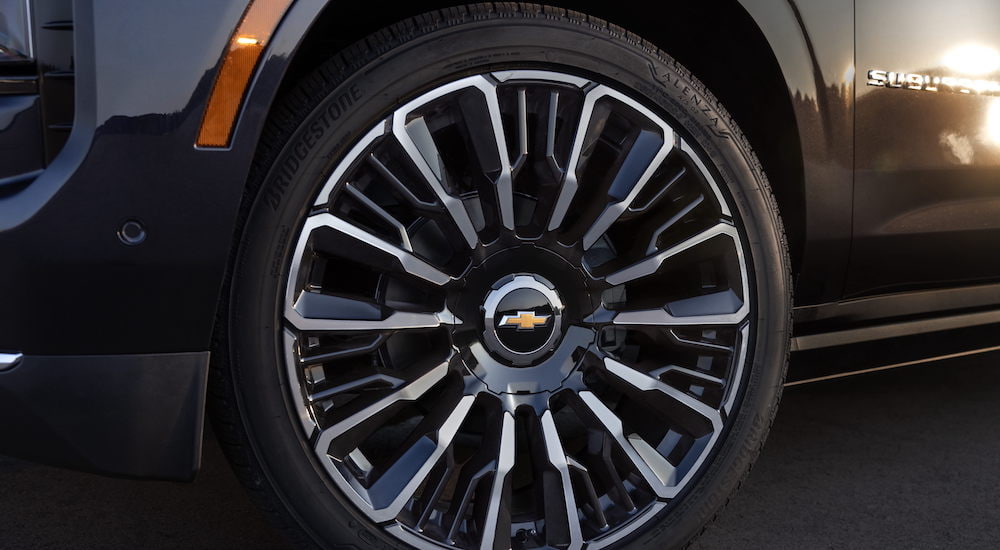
{"points": [[904, 458]]}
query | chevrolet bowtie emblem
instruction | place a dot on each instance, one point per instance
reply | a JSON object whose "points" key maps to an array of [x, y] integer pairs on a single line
{"points": [[524, 320]]}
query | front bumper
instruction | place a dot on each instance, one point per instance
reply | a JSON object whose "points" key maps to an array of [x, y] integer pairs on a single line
{"points": [[137, 416]]}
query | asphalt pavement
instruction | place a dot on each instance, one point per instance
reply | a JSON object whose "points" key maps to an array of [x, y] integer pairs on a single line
{"points": [[908, 458]]}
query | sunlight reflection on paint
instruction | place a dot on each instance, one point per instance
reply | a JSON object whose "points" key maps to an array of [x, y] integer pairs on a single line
{"points": [[993, 123], [972, 59], [849, 74]]}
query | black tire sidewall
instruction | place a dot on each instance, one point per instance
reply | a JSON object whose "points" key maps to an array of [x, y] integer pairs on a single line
{"points": [[286, 464]]}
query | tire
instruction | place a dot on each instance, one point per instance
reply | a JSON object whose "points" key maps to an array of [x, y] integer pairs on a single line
{"points": [[451, 321]]}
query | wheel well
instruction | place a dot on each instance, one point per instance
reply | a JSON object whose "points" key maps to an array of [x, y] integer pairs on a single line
{"points": [[749, 83]]}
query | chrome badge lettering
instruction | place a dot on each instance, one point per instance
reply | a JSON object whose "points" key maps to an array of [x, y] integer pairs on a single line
{"points": [[930, 83]]}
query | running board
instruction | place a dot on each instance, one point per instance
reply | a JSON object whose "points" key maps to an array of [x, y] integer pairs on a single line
{"points": [[885, 347], [893, 366], [893, 330]]}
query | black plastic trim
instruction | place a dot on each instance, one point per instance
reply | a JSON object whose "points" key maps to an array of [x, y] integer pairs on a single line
{"points": [[18, 85], [902, 351], [895, 307], [893, 330], [58, 25], [137, 416]]}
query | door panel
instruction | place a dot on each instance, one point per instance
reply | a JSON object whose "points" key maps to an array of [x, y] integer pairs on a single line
{"points": [[927, 181]]}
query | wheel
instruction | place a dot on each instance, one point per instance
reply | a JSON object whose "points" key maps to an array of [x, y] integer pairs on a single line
{"points": [[512, 279]]}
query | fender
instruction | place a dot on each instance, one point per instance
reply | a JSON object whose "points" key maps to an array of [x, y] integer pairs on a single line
{"points": [[819, 72], [131, 156]]}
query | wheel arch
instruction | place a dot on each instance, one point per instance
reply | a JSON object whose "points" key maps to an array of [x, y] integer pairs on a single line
{"points": [[750, 84]]}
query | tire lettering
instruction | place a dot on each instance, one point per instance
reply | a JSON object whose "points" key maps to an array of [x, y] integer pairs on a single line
{"points": [[337, 108]]}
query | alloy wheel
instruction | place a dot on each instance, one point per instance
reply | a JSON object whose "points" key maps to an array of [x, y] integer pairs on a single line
{"points": [[517, 315]]}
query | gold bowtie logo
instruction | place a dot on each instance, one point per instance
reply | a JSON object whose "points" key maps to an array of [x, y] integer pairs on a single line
{"points": [[524, 320]]}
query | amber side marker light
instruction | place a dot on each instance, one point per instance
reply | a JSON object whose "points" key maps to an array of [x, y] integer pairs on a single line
{"points": [[245, 46]]}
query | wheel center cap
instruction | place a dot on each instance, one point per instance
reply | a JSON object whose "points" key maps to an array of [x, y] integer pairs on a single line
{"points": [[522, 316]]}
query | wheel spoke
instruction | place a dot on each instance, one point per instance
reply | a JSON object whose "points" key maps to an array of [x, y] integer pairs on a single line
{"points": [[415, 139], [685, 146], [651, 264], [562, 520], [732, 389], [662, 192], [436, 484], [651, 248], [398, 185], [473, 473], [410, 392], [644, 382], [314, 305], [397, 485], [472, 478], [391, 381], [496, 529], [300, 315], [645, 156], [641, 162], [550, 135], [570, 184], [364, 349], [688, 372], [704, 346], [504, 184], [341, 170], [661, 317], [651, 466], [294, 371], [407, 260], [602, 466], [597, 511], [382, 214], [522, 131]]}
